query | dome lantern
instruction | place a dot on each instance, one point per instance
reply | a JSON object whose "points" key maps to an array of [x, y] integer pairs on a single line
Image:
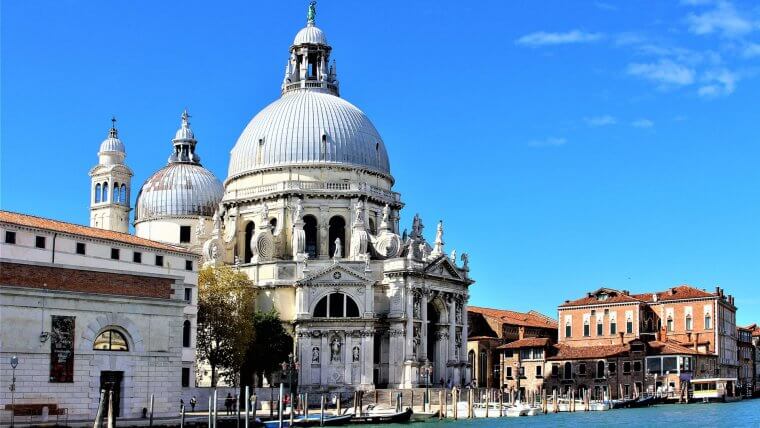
{"points": [[184, 143], [309, 64]]}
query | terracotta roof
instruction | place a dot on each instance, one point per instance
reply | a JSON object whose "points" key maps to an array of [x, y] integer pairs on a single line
{"points": [[482, 338], [567, 352], [528, 342], [675, 293], [671, 347], [91, 232], [527, 319], [594, 298], [755, 329]]}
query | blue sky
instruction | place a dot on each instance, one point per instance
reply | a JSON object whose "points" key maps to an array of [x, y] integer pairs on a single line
{"points": [[566, 145]]}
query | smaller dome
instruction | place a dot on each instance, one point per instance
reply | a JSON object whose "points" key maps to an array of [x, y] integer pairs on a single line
{"points": [[112, 143], [179, 190], [310, 35]]}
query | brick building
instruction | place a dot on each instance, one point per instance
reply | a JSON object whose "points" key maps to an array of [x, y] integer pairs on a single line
{"points": [[85, 309], [491, 328], [523, 364], [746, 353]]}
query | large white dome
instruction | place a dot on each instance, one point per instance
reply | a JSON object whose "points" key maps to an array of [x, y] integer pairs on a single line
{"points": [[306, 127]]}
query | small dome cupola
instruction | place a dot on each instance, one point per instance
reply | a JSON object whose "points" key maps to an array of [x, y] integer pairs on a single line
{"points": [[112, 150], [309, 63], [184, 143]]}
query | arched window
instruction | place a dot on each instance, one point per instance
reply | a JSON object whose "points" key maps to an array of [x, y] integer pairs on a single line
{"points": [[586, 329], [105, 192], [372, 229], [273, 224], [483, 369], [97, 193], [600, 369], [471, 361], [124, 198], [568, 370], [708, 321], [688, 322], [669, 323], [115, 194], [310, 230], [337, 230], [249, 228], [568, 329], [336, 305], [186, 334], [110, 340]]}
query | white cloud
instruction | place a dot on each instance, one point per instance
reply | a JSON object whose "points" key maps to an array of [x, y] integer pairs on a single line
{"points": [[718, 82], [542, 38], [665, 72], [752, 50], [548, 142], [723, 19], [642, 123], [605, 6], [601, 120]]}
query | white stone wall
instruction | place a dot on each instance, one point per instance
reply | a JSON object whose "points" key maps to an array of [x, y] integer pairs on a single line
{"points": [[153, 328]]}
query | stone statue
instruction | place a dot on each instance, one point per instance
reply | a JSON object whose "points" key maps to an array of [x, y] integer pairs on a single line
{"points": [[217, 222], [315, 354], [416, 308], [355, 354], [264, 213], [338, 249], [465, 261], [459, 313], [384, 225], [335, 346], [453, 257], [416, 341], [237, 262], [359, 216], [438, 245], [214, 252], [312, 13], [297, 211], [423, 250], [201, 228]]}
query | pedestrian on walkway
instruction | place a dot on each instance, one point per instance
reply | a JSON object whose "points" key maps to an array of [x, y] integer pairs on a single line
{"points": [[193, 402], [228, 403]]}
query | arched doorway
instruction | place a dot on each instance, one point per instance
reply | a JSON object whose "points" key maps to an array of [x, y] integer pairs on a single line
{"points": [[337, 230], [437, 340]]}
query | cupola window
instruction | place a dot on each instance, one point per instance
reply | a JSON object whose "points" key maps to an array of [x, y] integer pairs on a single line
{"points": [[105, 192], [97, 193]]}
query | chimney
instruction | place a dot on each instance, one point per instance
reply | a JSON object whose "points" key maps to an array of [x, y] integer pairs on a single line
{"points": [[622, 341], [696, 340], [626, 292], [717, 290], [672, 291]]}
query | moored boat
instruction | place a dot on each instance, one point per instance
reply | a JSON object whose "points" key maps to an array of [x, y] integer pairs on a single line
{"points": [[382, 418]]}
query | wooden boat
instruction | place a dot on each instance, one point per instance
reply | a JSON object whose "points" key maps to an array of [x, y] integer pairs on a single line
{"points": [[423, 416], [310, 421], [382, 418], [643, 402]]}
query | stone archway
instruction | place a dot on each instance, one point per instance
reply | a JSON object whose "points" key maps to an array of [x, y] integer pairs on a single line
{"points": [[437, 320]]}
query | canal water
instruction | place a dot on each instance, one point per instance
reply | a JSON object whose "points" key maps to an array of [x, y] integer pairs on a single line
{"points": [[744, 413]]}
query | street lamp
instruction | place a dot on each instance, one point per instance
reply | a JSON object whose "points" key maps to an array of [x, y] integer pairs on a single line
{"points": [[14, 363], [290, 366]]}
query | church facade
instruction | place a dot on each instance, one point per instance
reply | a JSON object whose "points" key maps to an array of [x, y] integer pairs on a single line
{"points": [[309, 213]]}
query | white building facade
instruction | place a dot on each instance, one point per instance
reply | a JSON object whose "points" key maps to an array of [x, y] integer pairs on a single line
{"points": [[309, 214], [86, 309]]}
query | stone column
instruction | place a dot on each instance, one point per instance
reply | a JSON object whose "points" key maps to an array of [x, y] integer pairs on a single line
{"points": [[424, 333], [369, 301], [453, 358], [366, 355], [409, 355]]}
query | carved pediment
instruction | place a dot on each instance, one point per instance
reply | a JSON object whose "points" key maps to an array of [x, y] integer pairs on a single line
{"points": [[339, 274], [443, 267]]}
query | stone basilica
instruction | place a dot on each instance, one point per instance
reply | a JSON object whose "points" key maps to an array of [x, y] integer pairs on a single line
{"points": [[308, 212]]}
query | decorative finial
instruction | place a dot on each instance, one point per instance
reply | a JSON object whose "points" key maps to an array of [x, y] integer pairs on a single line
{"points": [[312, 13], [185, 118], [113, 133]]}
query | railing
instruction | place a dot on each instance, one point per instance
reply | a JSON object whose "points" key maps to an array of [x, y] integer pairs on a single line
{"points": [[313, 186]]}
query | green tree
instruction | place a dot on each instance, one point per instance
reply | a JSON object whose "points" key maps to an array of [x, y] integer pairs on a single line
{"points": [[226, 300], [270, 347]]}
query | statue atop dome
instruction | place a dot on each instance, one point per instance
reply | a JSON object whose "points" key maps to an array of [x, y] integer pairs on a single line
{"points": [[312, 12]]}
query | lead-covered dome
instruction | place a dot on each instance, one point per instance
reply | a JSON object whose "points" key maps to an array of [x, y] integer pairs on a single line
{"points": [[179, 190], [183, 188], [310, 124], [308, 127]]}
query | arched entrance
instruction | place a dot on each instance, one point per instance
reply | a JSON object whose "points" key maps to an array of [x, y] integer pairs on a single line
{"points": [[437, 340]]}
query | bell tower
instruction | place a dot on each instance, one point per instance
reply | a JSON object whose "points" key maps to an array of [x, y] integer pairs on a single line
{"points": [[110, 185]]}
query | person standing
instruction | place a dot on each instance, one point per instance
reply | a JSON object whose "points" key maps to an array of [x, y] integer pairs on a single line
{"points": [[193, 402]]}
